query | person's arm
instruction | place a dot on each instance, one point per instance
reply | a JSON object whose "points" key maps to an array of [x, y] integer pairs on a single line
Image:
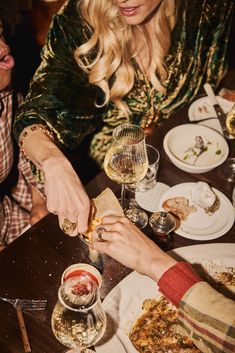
{"points": [[177, 281], [205, 315], [61, 102]]}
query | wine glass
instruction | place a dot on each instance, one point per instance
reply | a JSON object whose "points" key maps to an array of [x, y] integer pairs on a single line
{"points": [[126, 163], [228, 171], [78, 319]]}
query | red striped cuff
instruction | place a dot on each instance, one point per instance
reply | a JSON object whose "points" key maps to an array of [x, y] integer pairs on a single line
{"points": [[175, 282]]}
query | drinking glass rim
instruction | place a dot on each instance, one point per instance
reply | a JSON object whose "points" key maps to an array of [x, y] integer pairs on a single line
{"points": [[130, 125], [157, 153]]}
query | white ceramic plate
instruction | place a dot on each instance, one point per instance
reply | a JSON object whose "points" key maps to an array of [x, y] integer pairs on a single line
{"points": [[123, 304], [148, 200], [201, 109], [199, 225], [180, 146]]}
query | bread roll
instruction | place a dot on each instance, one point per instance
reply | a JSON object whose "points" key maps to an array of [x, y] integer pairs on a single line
{"points": [[179, 206]]}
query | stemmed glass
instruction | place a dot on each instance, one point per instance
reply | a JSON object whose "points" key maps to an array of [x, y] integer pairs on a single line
{"points": [[228, 171], [78, 319], [126, 163]]}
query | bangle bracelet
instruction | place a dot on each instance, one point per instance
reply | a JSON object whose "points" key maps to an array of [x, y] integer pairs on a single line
{"points": [[31, 129]]}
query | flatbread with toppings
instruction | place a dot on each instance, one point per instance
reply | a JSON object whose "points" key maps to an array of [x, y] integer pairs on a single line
{"points": [[155, 330]]}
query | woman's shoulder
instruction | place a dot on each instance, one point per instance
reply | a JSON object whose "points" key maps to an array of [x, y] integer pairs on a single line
{"points": [[68, 25], [70, 9]]}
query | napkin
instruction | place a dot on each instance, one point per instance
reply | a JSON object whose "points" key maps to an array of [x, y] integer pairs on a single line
{"points": [[104, 204], [203, 196]]}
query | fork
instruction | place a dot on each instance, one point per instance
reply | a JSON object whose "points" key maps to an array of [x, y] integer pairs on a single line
{"points": [[27, 304]]}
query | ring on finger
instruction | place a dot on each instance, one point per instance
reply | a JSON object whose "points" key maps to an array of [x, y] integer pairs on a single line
{"points": [[99, 231], [68, 227]]}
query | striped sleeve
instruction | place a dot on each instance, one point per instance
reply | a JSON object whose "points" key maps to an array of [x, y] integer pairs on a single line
{"points": [[208, 318]]}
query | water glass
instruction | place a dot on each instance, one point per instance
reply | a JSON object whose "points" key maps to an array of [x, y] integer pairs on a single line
{"points": [[150, 179]]}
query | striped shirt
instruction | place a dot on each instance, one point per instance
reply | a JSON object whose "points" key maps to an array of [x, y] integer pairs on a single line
{"points": [[205, 315]]}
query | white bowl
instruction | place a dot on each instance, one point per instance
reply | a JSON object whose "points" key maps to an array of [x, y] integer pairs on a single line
{"points": [[179, 145]]}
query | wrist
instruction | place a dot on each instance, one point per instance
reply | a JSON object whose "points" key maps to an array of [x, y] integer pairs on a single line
{"points": [[159, 265]]}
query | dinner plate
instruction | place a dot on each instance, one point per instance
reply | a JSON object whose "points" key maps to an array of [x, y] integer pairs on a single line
{"points": [[202, 109], [123, 305], [199, 225]]}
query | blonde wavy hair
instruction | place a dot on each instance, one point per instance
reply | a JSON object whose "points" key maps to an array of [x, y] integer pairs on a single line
{"points": [[111, 39]]}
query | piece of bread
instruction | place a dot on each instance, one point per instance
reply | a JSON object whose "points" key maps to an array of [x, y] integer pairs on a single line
{"points": [[179, 206], [104, 204]]}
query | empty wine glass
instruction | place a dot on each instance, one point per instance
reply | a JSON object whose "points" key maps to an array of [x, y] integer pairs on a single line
{"points": [[78, 319], [126, 163]]}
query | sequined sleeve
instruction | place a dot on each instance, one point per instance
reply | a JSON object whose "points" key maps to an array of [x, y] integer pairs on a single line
{"points": [[60, 95]]}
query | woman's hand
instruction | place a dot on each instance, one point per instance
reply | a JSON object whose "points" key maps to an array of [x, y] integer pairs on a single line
{"points": [[123, 241], [66, 196]]}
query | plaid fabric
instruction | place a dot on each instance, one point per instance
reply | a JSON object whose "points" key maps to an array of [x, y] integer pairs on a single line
{"points": [[6, 147], [204, 314], [208, 318], [14, 209]]}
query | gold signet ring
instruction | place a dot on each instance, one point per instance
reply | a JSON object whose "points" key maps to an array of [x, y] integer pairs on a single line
{"points": [[68, 226]]}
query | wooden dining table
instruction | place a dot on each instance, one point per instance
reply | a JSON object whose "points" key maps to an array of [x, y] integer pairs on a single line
{"points": [[31, 267]]}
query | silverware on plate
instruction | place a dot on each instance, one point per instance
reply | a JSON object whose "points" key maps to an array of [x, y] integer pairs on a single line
{"points": [[27, 304], [219, 111], [199, 120]]}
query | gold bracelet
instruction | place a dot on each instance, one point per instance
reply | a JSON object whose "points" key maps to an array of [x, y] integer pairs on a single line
{"points": [[31, 129]]}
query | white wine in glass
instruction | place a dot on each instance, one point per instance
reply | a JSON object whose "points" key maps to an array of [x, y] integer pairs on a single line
{"points": [[78, 319], [228, 170], [230, 122], [126, 163]]}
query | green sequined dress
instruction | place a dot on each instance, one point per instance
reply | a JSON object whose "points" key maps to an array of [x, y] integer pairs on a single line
{"points": [[61, 97]]}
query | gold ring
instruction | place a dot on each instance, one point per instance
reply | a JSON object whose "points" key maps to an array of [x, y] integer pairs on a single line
{"points": [[99, 233], [68, 226]]}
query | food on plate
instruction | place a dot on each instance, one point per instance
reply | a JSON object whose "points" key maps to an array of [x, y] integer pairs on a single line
{"points": [[203, 196], [105, 204], [91, 227], [179, 206], [221, 277], [155, 330]]}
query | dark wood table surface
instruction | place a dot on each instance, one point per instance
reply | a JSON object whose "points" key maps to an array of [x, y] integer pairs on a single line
{"points": [[32, 265]]}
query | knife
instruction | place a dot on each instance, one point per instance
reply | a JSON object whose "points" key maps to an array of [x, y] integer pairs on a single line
{"points": [[219, 111]]}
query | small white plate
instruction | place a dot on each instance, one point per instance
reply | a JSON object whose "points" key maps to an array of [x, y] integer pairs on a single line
{"points": [[202, 109], [149, 200], [123, 305], [199, 225]]}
